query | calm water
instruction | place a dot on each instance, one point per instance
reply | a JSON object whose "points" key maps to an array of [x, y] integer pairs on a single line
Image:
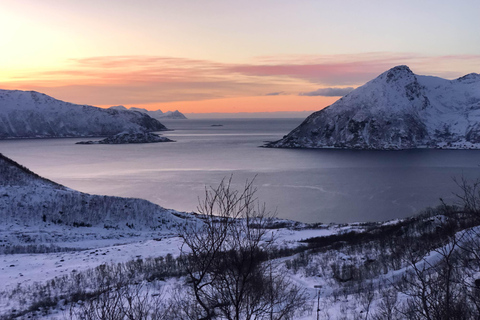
{"points": [[305, 185]]}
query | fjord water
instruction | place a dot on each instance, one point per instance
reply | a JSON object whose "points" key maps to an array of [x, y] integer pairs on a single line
{"points": [[300, 184]]}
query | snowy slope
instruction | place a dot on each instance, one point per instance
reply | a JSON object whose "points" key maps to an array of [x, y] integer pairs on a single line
{"points": [[156, 114], [397, 110], [29, 114], [31, 201]]}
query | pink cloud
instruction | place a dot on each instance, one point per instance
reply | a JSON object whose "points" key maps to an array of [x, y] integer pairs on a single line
{"points": [[149, 79], [356, 69], [335, 74]]}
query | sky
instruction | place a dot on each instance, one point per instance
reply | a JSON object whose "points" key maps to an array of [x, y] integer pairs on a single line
{"points": [[225, 56]]}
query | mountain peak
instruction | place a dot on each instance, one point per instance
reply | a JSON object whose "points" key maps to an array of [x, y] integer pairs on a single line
{"points": [[401, 68], [397, 73], [120, 107]]}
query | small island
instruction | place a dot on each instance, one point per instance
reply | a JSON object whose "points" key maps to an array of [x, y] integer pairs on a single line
{"points": [[128, 137]]}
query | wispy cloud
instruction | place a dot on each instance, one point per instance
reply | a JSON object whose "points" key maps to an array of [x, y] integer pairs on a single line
{"points": [[274, 93], [143, 79], [149, 79], [328, 92], [355, 69]]}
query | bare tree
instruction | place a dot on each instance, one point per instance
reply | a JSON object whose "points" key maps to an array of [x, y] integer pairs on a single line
{"points": [[434, 285], [469, 195], [469, 243], [366, 298], [128, 302], [387, 308], [105, 306], [226, 259]]}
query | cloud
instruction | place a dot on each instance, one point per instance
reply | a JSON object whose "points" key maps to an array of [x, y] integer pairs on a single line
{"points": [[141, 79], [355, 69], [274, 93], [328, 92], [112, 80]]}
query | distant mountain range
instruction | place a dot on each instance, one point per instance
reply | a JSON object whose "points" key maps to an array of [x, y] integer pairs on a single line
{"points": [[250, 115], [156, 114], [396, 110], [30, 114]]}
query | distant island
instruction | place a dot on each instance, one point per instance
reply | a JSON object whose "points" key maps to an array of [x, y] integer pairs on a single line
{"points": [[128, 137], [156, 114], [397, 110]]}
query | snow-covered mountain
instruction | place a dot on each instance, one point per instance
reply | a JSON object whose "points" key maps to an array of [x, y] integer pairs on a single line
{"points": [[29, 114], [27, 199], [157, 114], [396, 110]]}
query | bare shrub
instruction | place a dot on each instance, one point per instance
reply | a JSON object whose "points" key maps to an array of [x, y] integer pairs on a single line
{"points": [[226, 259]]}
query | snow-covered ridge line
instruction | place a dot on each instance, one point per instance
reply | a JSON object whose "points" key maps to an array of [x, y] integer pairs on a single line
{"points": [[13, 173], [30, 114], [396, 110]]}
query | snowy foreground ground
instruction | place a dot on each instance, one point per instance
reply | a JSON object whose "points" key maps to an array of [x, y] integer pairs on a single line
{"points": [[342, 282], [28, 268], [111, 247]]}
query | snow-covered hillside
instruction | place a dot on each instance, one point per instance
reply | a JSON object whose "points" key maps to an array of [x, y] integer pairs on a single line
{"points": [[30, 114], [156, 114], [28, 200], [397, 110]]}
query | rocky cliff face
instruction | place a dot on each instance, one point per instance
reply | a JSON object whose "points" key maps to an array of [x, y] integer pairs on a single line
{"points": [[30, 114], [396, 110]]}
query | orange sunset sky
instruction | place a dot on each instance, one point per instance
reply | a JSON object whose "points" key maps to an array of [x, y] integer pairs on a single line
{"points": [[228, 56]]}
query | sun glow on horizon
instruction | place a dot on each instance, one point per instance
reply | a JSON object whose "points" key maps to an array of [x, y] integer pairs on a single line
{"points": [[242, 104], [225, 55]]}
